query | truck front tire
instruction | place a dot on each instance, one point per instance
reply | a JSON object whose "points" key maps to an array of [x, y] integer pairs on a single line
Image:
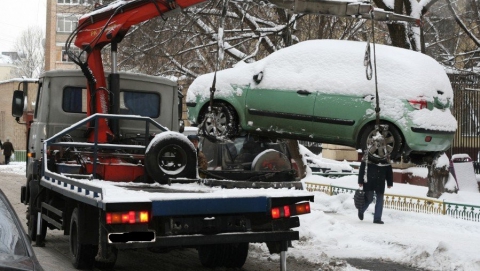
{"points": [[32, 212]]}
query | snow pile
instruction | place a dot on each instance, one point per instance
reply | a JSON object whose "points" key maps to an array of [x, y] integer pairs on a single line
{"points": [[317, 161]]}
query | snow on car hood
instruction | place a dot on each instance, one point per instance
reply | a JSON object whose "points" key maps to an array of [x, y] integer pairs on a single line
{"points": [[334, 66]]}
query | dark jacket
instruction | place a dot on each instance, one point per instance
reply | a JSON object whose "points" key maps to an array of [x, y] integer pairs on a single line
{"points": [[376, 177], [7, 148]]}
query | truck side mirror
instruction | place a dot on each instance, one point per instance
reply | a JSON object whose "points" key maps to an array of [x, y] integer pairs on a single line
{"points": [[18, 103]]}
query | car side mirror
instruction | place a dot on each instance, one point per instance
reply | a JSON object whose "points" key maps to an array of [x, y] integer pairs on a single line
{"points": [[258, 77], [18, 104]]}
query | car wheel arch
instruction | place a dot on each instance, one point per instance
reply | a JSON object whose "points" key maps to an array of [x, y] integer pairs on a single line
{"points": [[233, 103]]}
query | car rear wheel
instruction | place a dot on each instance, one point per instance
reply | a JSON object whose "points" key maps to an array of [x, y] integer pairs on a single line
{"points": [[391, 149], [221, 122]]}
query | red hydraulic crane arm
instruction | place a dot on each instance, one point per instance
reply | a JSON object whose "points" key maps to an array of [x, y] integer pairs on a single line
{"points": [[108, 25]]}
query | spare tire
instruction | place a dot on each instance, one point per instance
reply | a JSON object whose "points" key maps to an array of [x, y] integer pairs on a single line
{"points": [[170, 155]]}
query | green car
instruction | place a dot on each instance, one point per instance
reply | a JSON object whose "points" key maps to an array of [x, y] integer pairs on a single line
{"points": [[319, 91]]}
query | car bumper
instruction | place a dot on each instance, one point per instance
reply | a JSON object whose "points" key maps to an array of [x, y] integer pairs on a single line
{"points": [[424, 140]]}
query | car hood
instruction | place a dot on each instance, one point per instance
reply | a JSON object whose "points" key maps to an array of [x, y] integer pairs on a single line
{"points": [[335, 67]]}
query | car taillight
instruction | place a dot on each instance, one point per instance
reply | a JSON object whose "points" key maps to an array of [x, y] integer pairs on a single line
{"points": [[130, 217], [418, 104], [290, 210]]}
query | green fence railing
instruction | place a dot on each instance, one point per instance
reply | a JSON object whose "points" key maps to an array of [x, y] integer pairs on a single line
{"points": [[410, 204], [20, 156]]}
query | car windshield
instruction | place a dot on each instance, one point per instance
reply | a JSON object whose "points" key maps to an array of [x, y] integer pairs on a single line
{"points": [[11, 243]]}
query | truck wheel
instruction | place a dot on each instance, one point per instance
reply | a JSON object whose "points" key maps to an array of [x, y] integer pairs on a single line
{"points": [[32, 213], [236, 255], [170, 157], [228, 255], [83, 254], [212, 256]]}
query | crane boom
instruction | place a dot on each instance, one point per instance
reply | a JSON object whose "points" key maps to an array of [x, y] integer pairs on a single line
{"points": [[108, 25]]}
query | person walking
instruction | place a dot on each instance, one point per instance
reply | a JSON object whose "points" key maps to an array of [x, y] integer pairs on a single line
{"points": [[8, 150], [372, 177]]}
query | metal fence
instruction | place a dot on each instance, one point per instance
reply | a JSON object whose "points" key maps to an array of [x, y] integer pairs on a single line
{"points": [[466, 109], [20, 156], [410, 204]]}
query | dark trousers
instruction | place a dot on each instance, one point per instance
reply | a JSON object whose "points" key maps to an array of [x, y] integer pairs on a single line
{"points": [[378, 204], [7, 159]]}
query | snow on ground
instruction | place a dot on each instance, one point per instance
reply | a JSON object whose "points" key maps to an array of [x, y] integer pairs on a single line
{"points": [[332, 231]]}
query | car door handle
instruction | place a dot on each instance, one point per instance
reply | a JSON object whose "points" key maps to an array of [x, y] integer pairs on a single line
{"points": [[304, 92]]}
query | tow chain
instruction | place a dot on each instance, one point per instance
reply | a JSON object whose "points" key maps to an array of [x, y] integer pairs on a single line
{"points": [[378, 141], [214, 135]]}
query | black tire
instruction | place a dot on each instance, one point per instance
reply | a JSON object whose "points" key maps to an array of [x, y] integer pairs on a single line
{"points": [[393, 141], [236, 255], [224, 123], [32, 212], [212, 256], [83, 254], [170, 157], [228, 255]]}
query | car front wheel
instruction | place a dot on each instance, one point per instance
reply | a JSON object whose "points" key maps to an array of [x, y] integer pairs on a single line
{"points": [[377, 152], [219, 123]]}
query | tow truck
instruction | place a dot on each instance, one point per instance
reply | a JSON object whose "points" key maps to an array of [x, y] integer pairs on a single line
{"points": [[102, 169]]}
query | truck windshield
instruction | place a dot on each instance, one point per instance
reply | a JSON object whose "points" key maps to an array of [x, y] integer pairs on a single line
{"points": [[131, 102]]}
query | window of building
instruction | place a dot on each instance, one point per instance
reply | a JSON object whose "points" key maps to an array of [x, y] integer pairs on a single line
{"points": [[66, 58], [66, 23]]}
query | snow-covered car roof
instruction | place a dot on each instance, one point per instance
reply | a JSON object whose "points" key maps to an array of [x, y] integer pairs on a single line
{"points": [[334, 66]]}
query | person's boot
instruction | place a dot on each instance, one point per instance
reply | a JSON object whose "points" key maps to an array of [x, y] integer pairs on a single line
{"points": [[360, 214]]}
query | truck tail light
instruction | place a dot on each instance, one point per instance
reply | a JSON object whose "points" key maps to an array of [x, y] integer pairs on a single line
{"points": [[130, 217], [418, 104], [290, 210], [303, 208]]}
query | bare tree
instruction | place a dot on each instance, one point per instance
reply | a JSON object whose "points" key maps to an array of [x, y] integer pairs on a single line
{"points": [[452, 31], [30, 47]]}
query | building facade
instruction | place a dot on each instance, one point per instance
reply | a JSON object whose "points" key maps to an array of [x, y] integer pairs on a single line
{"points": [[9, 127], [62, 19]]}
